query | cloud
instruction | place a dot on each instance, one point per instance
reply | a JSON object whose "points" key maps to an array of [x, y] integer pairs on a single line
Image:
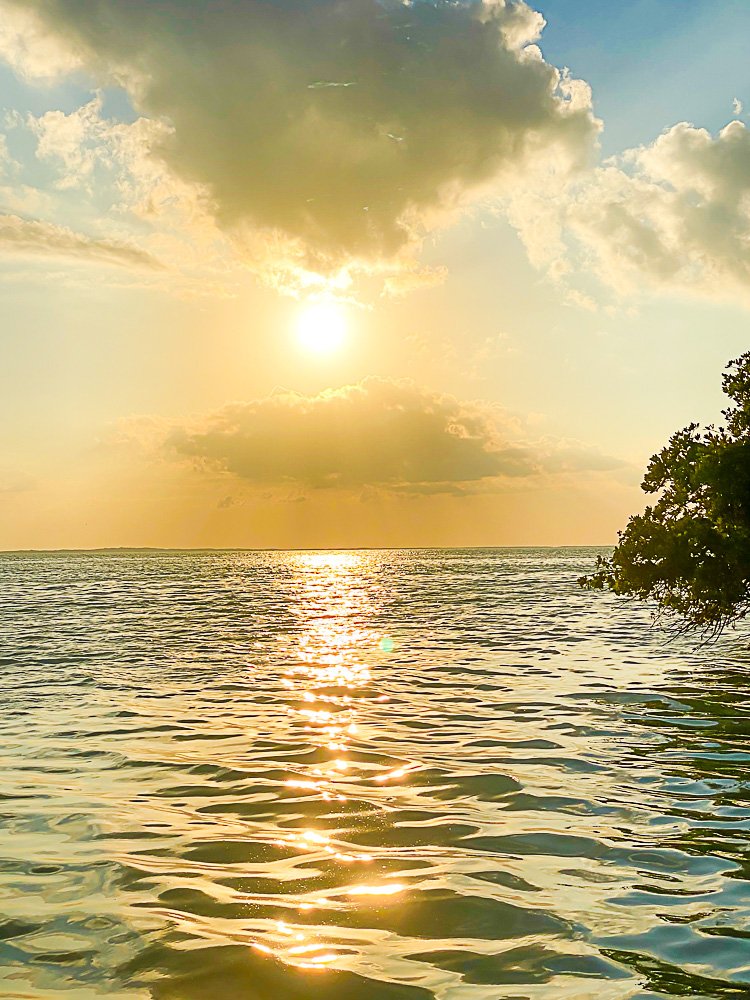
{"points": [[675, 214], [30, 48], [109, 159], [672, 217], [6, 160], [76, 142], [383, 433], [31, 237], [325, 138], [100, 176], [347, 128]]}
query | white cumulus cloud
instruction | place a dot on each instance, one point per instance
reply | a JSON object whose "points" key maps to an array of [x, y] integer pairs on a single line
{"points": [[672, 217], [675, 214]]}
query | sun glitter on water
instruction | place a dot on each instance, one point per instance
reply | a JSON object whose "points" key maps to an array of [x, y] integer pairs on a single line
{"points": [[322, 327]]}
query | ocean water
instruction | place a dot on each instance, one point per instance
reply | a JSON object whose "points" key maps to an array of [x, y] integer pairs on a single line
{"points": [[377, 775]]}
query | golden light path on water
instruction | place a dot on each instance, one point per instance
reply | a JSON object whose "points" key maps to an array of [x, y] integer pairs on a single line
{"points": [[327, 678], [427, 775]]}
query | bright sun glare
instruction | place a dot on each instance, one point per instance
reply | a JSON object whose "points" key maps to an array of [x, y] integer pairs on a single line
{"points": [[321, 327]]}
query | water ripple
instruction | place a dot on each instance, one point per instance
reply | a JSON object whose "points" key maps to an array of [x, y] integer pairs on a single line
{"points": [[414, 775]]}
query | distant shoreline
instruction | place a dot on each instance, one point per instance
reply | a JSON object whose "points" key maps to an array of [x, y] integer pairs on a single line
{"points": [[124, 549]]}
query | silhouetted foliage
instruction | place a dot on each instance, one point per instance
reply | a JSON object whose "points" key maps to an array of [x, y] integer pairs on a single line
{"points": [[690, 551]]}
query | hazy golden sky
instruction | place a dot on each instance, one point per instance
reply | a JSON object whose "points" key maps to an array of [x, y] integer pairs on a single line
{"points": [[361, 272]]}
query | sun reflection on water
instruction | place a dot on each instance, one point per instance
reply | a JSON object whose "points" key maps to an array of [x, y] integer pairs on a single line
{"points": [[329, 680]]}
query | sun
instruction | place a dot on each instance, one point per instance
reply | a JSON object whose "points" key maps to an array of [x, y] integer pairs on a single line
{"points": [[321, 327]]}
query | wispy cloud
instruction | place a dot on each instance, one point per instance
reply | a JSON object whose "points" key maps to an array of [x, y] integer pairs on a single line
{"points": [[32, 237]]}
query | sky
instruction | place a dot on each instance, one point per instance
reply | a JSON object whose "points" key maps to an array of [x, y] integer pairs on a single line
{"points": [[339, 273]]}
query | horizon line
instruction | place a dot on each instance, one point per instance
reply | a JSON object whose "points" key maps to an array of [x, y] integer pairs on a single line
{"points": [[310, 548]]}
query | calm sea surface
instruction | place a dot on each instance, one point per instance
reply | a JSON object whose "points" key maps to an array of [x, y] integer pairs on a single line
{"points": [[364, 776]]}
